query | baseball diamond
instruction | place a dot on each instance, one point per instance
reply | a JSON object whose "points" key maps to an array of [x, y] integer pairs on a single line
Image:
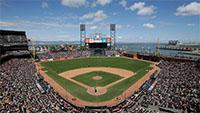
{"points": [[96, 81]]}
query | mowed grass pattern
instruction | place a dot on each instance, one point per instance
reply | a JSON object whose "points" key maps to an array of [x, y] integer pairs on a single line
{"points": [[87, 78], [137, 66]]}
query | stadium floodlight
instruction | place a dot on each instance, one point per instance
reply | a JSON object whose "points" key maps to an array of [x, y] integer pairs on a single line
{"points": [[113, 34], [82, 34]]}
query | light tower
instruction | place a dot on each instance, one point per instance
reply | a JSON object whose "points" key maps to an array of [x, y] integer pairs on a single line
{"points": [[158, 48], [33, 51], [112, 34], [82, 34]]}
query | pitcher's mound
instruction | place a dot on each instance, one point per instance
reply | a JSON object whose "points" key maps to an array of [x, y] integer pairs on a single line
{"points": [[97, 78], [97, 91]]}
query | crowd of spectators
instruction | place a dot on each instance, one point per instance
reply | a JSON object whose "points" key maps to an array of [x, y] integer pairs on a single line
{"points": [[12, 37], [63, 54], [127, 103], [19, 93], [72, 54], [177, 87], [53, 55], [44, 56], [83, 53]]}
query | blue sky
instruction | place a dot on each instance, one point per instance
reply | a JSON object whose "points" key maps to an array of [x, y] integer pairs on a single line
{"points": [[136, 20]]}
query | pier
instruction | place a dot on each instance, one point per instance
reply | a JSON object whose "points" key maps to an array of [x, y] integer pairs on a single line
{"points": [[180, 47]]}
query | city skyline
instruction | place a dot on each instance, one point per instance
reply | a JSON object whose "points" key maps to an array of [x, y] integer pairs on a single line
{"points": [[137, 21]]}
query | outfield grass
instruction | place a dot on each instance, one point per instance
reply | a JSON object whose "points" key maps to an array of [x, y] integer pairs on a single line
{"points": [[62, 66], [87, 78], [54, 68]]}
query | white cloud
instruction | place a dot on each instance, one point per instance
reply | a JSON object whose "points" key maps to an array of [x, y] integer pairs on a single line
{"points": [[190, 25], [96, 16], [114, 14], [153, 17], [93, 27], [120, 37], [5, 24], [73, 3], [45, 5], [142, 10], [35, 24], [149, 25], [103, 2], [118, 26], [138, 6], [146, 11], [186, 10], [128, 26], [93, 4], [123, 3]]}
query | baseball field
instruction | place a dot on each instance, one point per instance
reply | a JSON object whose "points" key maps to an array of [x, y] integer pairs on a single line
{"points": [[95, 80]]}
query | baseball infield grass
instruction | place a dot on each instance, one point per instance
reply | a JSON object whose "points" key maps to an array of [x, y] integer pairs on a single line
{"points": [[87, 78], [140, 68]]}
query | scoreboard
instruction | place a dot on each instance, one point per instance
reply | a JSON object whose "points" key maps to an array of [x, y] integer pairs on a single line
{"points": [[97, 42], [102, 40], [91, 42]]}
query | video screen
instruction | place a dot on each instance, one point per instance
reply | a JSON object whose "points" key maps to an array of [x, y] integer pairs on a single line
{"points": [[97, 45]]}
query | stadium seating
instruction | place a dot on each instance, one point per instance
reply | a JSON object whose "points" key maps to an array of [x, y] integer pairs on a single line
{"points": [[13, 43], [176, 88]]}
